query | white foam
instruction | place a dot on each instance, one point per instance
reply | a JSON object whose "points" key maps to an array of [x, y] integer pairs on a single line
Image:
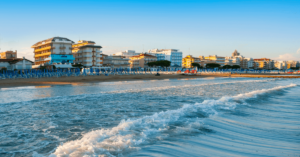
{"points": [[130, 134]]}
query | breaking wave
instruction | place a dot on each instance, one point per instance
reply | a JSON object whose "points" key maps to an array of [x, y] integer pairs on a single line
{"points": [[130, 134]]}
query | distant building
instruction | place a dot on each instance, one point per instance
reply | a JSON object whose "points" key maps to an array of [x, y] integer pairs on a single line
{"points": [[56, 50], [115, 61], [235, 53], [172, 55], [264, 63], [141, 61], [188, 60], [126, 54], [87, 53], [204, 61], [292, 64], [237, 59], [16, 64], [8, 55], [281, 65], [218, 59]]}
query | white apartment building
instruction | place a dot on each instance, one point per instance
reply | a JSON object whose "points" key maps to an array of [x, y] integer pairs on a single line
{"points": [[87, 53], [16, 64], [126, 53], [56, 50], [249, 62], [116, 61], [172, 55], [281, 65]]}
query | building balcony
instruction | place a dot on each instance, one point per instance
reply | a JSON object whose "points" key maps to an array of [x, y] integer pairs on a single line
{"points": [[44, 48], [86, 55], [43, 54], [62, 47]]}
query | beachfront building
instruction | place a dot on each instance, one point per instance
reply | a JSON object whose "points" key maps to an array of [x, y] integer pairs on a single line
{"points": [[141, 61], [204, 61], [237, 59], [8, 55], [116, 61], [264, 63], [15, 64], [217, 59], [172, 55], [292, 64], [281, 65], [87, 53], [126, 53], [56, 50], [188, 60]]}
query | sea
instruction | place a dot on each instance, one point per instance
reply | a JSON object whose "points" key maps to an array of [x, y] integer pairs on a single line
{"points": [[210, 116]]}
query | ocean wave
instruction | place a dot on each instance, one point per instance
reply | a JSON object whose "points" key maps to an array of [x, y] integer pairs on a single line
{"points": [[130, 134], [84, 96]]}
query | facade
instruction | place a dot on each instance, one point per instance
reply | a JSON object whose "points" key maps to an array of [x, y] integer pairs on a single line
{"points": [[235, 53], [218, 59], [16, 64], [172, 55], [8, 55], [292, 64], [126, 54], [56, 50], [281, 65], [188, 60], [87, 53], [249, 62], [264, 63], [141, 61], [237, 59], [115, 61]]}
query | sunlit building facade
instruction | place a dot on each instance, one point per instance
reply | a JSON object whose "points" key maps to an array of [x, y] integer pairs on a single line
{"points": [[141, 61], [188, 60], [56, 50], [87, 53], [8, 55], [172, 55]]}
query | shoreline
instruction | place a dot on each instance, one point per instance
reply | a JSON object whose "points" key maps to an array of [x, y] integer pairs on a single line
{"points": [[92, 79], [8, 83]]}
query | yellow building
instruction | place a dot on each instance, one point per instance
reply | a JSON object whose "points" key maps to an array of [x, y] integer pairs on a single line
{"points": [[188, 60], [141, 61], [8, 55], [264, 63], [216, 59]]}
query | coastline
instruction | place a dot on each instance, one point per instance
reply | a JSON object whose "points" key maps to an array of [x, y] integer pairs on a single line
{"points": [[8, 83], [93, 79]]}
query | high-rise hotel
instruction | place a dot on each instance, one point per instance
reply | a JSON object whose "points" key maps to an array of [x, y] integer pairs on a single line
{"points": [[87, 53], [53, 50]]}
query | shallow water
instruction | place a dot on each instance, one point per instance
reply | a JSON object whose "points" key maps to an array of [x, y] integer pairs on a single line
{"points": [[190, 117]]}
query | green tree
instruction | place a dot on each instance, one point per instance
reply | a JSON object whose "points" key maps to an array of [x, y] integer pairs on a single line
{"points": [[196, 65], [212, 65], [77, 65], [236, 67], [163, 63], [227, 67]]}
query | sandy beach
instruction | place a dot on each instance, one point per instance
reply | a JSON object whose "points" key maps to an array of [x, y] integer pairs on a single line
{"points": [[90, 79]]}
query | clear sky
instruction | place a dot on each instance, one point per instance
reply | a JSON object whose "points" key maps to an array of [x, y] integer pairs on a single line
{"points": [[256, 28]]}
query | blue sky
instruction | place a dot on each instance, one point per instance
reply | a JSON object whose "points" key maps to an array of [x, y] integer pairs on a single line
{"points": [[256, 28]]}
